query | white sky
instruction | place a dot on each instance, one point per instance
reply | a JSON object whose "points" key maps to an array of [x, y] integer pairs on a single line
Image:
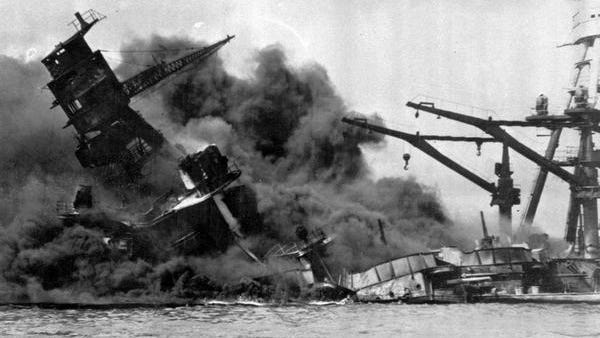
{"points": [[379, 54]]}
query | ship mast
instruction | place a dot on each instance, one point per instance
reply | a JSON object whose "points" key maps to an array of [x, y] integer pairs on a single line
{"points": [[581, 114], [111, 134], [582, 103]]}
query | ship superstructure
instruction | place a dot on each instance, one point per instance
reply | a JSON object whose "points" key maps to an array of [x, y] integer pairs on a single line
{"points": [[110, 133], [209, 215]]}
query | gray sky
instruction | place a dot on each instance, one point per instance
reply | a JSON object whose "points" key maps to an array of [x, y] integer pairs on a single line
{"points": [[379, 54]]}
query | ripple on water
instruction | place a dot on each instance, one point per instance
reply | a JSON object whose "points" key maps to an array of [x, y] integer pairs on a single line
{"points": [[501, 320]]}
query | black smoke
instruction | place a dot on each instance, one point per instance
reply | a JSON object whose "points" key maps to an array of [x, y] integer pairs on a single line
{"points": [[281, 125]]}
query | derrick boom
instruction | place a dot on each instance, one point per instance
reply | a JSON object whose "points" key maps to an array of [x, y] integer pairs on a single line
{"points": [[504, 195], [583, 182], [420, 143], [494, 130], [152, 76]]}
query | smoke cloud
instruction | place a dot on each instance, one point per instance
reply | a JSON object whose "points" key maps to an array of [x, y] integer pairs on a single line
{"points": [[281, 125]]}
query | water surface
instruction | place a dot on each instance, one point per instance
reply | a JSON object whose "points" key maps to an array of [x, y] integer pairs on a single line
{"points": [[462, 320]]}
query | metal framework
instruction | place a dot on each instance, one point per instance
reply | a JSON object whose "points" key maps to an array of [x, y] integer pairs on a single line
{"points": [[111, 134], [154, 75], [504, 194], [583, 182]]}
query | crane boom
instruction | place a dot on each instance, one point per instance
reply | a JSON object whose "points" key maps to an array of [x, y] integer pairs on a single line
{"points": [[504, 195], [420, 143], [502, 135], [152, 76]]}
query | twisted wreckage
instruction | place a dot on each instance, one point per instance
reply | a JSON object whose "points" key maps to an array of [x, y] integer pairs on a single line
{"points": [[211, 214], [213, 211]]}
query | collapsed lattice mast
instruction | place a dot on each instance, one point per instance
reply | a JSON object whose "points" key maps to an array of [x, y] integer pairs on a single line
{"points": [[110, 133]]}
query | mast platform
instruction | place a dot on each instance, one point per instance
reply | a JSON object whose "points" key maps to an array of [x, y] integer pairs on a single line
{"points": [[582, 111]]}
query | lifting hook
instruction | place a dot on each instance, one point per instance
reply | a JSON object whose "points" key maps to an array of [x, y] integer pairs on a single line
{"points": [[406, 158], [417, 114], [478, 148]]}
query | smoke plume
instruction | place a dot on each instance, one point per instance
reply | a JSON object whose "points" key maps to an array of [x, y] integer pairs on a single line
{"points": [[281, 125]]}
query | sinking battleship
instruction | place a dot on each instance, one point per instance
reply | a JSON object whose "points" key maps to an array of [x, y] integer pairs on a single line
{"points": [[192, 224], [501, 271], [115, 139], [210, 214]]}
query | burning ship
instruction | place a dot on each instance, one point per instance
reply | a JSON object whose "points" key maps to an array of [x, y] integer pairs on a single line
{"points": [[117, 141], [212, 212]]}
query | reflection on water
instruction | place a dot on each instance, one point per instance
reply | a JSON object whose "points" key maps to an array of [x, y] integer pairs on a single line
{"points": [[492, 320]]}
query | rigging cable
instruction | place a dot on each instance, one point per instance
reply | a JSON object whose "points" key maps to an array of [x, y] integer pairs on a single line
{"points": [[150, 50]]}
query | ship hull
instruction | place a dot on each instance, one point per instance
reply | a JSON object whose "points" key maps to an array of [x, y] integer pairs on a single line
{"points": [[546, 298], [501, 275]]}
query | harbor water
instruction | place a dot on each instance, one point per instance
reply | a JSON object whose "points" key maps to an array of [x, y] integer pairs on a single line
{"points": [[379, 320]]}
